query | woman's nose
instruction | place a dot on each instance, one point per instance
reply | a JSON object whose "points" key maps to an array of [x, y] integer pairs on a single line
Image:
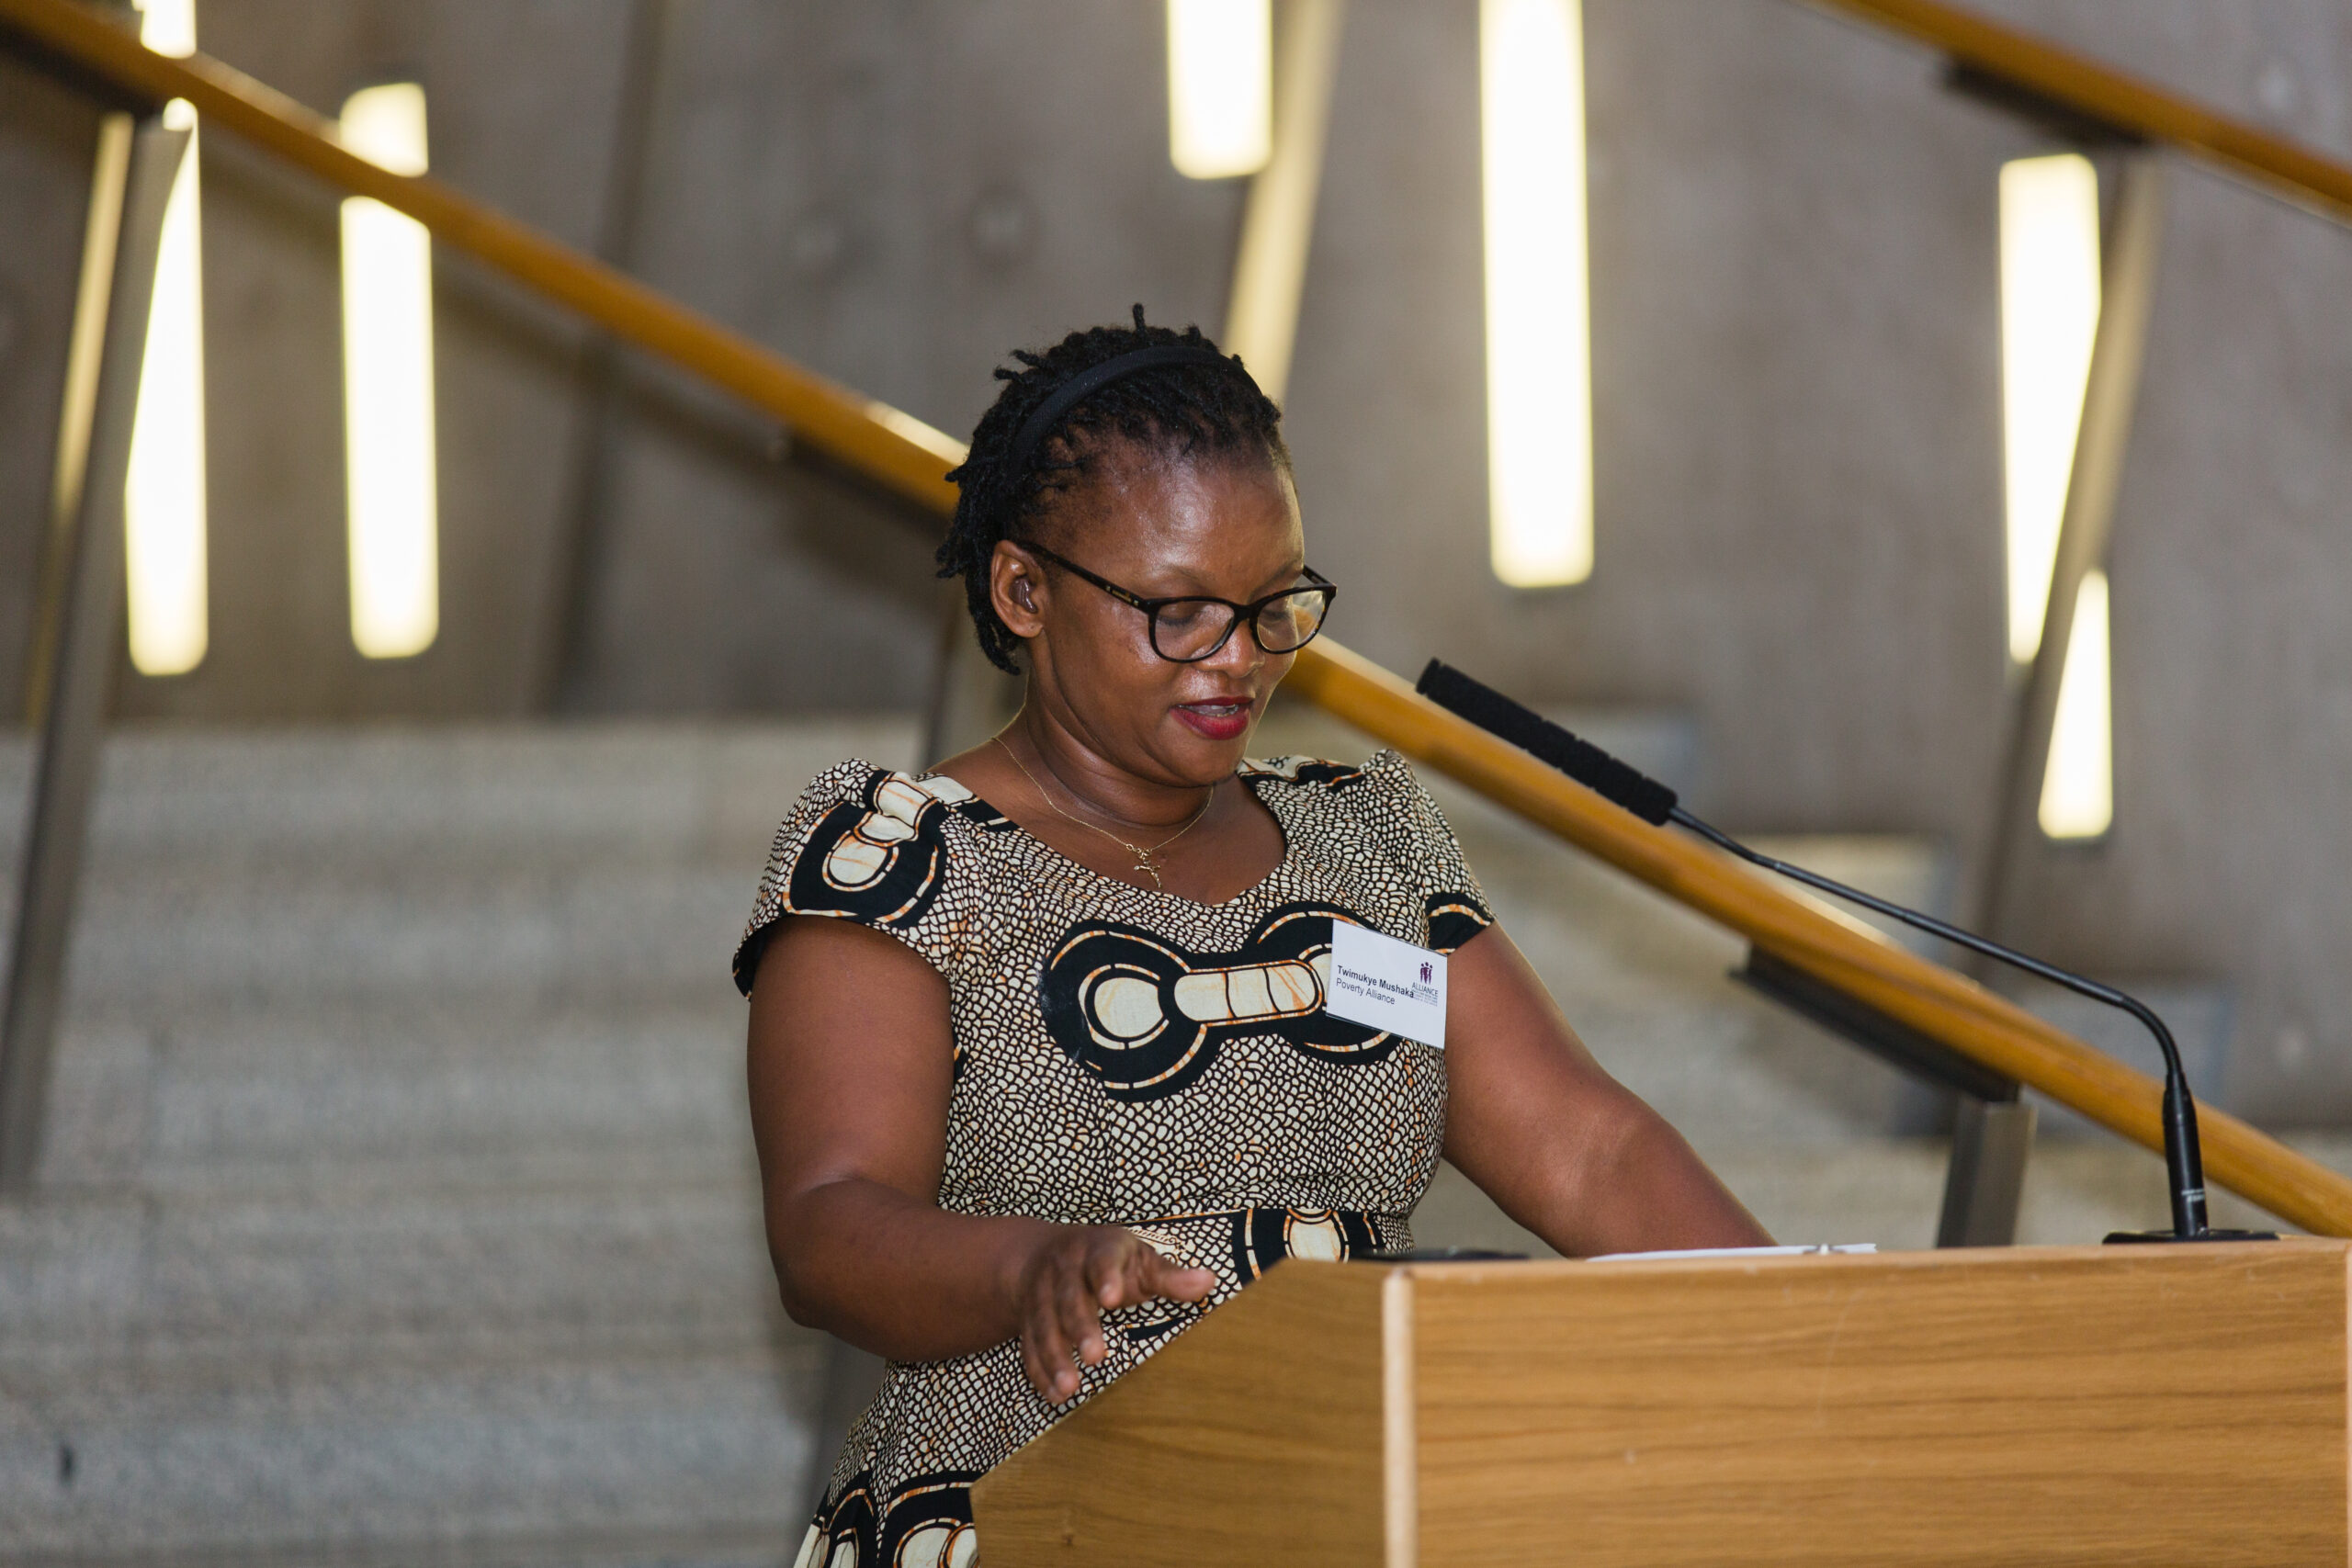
{"points": [[1241, 655]]}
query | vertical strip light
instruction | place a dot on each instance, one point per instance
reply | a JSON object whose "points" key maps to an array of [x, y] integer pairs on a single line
{"points": [[388, 388], [2078, 787], [2049, 306], [1539, 361], [2048, 317], [1220, 86], [163, 502]]}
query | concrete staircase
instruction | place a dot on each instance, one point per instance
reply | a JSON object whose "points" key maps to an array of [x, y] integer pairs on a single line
{"points": [[399, 1206]]}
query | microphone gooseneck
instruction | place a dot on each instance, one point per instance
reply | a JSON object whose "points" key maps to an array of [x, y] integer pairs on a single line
{"points": [[1625, 786], [1530, 731]]}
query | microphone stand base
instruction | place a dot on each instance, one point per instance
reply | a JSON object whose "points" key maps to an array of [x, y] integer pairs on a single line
{"points": [[2122, 1238]]}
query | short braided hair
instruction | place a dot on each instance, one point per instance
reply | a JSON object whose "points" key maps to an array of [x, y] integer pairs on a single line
{"points": [[1184, 410]]}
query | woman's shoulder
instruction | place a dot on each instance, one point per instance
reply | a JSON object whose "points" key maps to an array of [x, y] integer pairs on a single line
{"points": [[1375, 787], [875, 846], [855, 791], [1378, 797], [1378, 807]]}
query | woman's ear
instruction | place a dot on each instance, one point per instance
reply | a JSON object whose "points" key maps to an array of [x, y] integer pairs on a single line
{"points": [[1017, 590]]}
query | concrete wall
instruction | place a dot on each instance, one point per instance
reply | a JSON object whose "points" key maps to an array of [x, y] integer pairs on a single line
{"points": [[1798, 475], [521, 99], [1795, 363], [2231, 557], [896, 194]]}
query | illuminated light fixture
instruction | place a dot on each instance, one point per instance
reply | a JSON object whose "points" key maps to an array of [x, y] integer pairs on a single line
{"points": [[1220, 86], [388, 388], [163, 500], [2078, 787], [1539, 358], [2050, 300]]}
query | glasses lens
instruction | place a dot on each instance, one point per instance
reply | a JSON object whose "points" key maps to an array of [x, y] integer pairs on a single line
{"points": [[1291, 620], [1186, 629]]}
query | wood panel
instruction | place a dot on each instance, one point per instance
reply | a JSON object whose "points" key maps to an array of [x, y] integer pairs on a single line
{"points": [[2048, 1406], [1255, 1437]]}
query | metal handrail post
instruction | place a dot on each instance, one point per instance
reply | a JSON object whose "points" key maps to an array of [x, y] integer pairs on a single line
{"points": [[135, 170]]}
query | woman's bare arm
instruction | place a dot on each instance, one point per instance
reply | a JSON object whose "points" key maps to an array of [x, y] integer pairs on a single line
{"points": [[1560, 1145], [850, 1058]]}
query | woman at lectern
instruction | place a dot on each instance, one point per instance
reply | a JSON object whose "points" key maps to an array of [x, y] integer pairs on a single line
{"points": [[1048, 1050]]}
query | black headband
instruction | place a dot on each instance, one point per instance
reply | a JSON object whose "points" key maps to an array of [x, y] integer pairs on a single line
{"points": [[1088, 382]]}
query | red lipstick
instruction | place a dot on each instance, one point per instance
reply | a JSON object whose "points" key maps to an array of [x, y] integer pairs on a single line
{"points": [[1217, 718]]}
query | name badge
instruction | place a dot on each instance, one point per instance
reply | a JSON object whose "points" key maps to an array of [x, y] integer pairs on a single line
{"points": [[1384, 983]]}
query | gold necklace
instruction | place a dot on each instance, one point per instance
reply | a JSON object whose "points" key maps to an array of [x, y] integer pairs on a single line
{"points": [[1144, 857]]}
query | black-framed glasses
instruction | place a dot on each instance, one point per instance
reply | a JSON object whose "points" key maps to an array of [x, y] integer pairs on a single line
{"points": [[1190, 627]]}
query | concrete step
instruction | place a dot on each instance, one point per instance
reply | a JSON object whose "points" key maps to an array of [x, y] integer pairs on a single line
{"points": [[236, 1091], [185, 933], [564, 1247], [678, 790], [414, 1460], [541, 863]]}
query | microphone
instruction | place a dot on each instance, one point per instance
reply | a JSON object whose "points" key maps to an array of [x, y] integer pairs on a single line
{"points": [[1654, 803]]}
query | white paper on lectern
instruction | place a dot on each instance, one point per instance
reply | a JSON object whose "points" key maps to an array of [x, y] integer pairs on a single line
{"points": [[1819, 1249], [1382, 983]]}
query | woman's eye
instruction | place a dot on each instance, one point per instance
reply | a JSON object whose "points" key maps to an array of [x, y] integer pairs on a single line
{"points": [[1183, 613]]}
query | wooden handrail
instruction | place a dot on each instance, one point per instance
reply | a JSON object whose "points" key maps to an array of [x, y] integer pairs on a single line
{"points": [[895, 448], [1937, 1001], [2109, 96], [913, 458]]}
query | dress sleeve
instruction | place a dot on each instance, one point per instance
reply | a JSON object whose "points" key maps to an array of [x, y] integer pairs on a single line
{"points": [[1404, 822], [866, 845]]}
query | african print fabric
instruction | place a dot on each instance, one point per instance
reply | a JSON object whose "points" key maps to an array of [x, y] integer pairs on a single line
{"points": [[1125, 1056]]}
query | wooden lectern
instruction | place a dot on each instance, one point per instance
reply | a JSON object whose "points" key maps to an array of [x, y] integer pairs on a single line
{"points": [[2172, 1405]]}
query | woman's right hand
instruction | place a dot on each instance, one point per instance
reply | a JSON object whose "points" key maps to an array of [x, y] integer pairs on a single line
{"points": [[1071, 1279]]}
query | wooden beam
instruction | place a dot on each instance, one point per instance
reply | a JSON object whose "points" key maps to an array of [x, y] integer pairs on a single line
{"points": [[2283, 168]]}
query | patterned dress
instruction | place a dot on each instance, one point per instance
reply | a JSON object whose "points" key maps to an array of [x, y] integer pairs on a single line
{"points": [[1124, 1056]]}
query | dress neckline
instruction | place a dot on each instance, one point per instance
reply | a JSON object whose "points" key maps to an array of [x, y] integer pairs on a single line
{"points": [[1248, 778]]}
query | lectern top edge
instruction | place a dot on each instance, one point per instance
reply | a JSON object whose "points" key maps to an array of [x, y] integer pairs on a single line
{"points": [[1934, 1259]]}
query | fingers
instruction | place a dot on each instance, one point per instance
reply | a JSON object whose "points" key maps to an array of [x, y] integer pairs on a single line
{"points": [[1082, 1317], [1079, 1277], [1174, 1282], [1032, 1362], [1145, 1274], [1060, 1323], [1045, 1356]]}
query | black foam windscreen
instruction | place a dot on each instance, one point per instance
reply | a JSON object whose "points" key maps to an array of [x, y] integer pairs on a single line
{"points": [[1524, 728]]}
